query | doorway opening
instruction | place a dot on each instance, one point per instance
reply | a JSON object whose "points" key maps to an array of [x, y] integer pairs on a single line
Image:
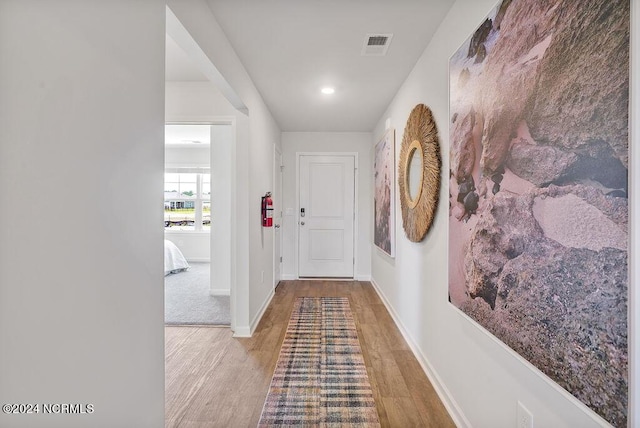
{"points": [[196, 218]]}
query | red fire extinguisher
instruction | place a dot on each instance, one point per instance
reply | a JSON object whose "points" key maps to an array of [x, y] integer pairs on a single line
{"points": [[267, 210]]}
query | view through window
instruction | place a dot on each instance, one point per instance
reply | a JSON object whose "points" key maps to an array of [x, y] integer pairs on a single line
{"points": [[187, 200]]}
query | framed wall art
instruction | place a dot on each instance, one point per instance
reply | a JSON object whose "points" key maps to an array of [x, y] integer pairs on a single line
{"points": [[538, 200], [384, 193]]}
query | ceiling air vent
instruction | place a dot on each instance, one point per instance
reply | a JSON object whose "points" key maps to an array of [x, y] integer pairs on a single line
{"points": [[376, 44]]}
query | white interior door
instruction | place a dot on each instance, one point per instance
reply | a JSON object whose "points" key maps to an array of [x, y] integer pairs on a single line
{"points": [[277, 215], [326, 216]]}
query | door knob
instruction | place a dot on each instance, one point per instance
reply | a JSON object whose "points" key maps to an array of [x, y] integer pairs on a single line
{"points": [[302, 223]]}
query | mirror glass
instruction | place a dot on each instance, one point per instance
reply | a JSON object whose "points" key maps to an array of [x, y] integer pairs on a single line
{"points": [[414, 173]]}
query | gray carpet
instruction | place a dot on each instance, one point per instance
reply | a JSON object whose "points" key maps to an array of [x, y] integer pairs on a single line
{"points": [[187, 300]]}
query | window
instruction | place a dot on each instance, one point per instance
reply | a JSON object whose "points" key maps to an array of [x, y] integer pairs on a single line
{"points": [[187, 199]]}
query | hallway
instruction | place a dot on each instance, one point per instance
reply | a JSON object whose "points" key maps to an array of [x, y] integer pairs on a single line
{"points": [[203, 364]]}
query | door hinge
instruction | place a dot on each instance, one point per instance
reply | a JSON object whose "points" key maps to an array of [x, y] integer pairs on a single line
{"points": [[280, 259]]}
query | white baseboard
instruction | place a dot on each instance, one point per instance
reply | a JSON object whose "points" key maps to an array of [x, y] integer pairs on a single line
{"points": [[290, 277], [247, 331], [220, 292], [443, 392], [244, 331]]}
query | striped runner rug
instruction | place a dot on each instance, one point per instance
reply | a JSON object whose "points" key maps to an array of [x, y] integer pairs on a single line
{"points": [[320, 377]]}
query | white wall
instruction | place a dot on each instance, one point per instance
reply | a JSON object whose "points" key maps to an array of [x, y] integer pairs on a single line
{"points": [[358, 142], [81, 301], [194, 246], [480, 378], [195, 101], [252, 255], [222, 141]]}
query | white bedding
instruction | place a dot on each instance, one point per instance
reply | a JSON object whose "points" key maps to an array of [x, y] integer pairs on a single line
{"points": [[174, 261]]}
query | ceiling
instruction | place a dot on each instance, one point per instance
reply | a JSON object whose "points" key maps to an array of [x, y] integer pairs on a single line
{"points": [[293, 48], [186, 135]]}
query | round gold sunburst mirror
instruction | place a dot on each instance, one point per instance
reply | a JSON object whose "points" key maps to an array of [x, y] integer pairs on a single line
{"points": [[419, 173]]}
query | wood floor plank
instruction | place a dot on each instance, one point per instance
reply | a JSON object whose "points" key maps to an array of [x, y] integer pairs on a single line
{"points": [[390, 381], [213, 379], [425, 398], [401, 412], [382, 412], [388, 329], [193, 370]]}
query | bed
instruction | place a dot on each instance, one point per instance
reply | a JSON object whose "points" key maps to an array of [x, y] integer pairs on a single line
{"points": [[174, 261]]}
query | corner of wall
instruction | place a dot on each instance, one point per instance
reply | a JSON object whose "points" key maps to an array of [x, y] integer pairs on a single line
{"points": [[247, 331]]}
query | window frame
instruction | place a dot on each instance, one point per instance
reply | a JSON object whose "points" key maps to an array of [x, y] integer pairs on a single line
{"points": [[198, 200]]}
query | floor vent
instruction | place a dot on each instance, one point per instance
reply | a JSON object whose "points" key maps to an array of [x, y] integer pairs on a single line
{"points": [[376, 44]]}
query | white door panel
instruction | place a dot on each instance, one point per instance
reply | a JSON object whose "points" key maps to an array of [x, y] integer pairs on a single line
{"points": [[326, 228], [326, 244], [326, 200]]}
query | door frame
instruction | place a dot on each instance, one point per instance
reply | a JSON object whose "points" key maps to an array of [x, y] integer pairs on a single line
{"points": [[356, 215], [278, 167], [211, 121]]}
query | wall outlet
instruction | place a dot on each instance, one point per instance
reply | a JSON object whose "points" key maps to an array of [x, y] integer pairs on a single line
{"points": [[525, 418]]}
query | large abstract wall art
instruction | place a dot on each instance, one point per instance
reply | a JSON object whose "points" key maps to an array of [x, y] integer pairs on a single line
{"points": [[538, 218], [384, 195]]}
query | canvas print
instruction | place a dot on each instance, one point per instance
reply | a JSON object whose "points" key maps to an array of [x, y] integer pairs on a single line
{"points": [[538, 209], [384, 195]]}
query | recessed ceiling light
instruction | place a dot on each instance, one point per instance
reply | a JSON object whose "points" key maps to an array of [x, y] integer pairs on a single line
{"points": [[327, 90]]}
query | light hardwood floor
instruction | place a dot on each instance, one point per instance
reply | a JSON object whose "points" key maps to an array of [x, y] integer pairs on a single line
{"points": [[214, 380]]}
